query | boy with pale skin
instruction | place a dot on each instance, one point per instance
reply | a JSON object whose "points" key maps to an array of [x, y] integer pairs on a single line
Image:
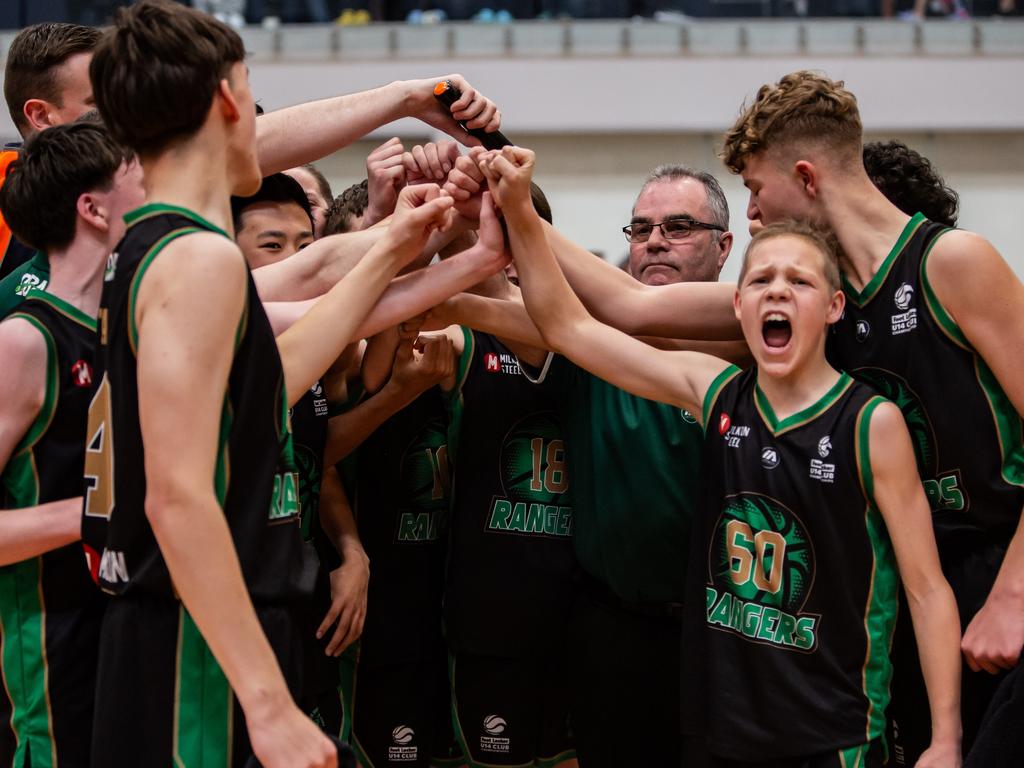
{"points": [[786, 298], [184, 321]]}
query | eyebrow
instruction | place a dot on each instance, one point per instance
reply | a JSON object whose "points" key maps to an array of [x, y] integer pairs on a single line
{"points": [[272, 233], [670, 217]]}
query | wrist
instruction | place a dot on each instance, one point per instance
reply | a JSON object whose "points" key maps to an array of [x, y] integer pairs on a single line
{"points": [[263, 701], [519, 208]]}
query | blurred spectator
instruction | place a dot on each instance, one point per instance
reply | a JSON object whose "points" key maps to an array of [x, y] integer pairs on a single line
{"points": [[228, 11]]}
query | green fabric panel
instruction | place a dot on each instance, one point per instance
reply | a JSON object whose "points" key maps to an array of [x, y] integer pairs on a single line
{"points": [[33, 275], [204, 708], [880, 611], [713, 391], [25, 673]]}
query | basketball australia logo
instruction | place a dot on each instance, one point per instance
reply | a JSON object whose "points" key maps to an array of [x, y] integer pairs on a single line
{"points": [[906, 320], [492, 740], [761, 564], [402, 752]]}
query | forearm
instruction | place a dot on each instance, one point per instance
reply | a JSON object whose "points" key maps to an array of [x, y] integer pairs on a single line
{"points": [[284, 314], [347, 431], [937, 628], [1009, 583], [196, 544], [313, 343], [498, 317], [550, 301], [340, 524], [415, 293], [316, 269], [307, 132], [32, 531]]}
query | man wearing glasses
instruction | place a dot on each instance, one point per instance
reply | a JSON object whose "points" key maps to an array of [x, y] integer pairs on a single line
{"points": [[635, 465]]}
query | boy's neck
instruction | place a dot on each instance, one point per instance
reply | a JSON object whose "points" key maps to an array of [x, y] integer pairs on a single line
{"points": [[192, 176], [799, 390], [866, 225], [76, 273]]}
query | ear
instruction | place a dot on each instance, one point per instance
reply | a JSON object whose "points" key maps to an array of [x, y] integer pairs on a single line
{"points": [[93, 211], [807, 175], [724, 248], [737, 303], [835, 308], [229, 104], [39, 114]]}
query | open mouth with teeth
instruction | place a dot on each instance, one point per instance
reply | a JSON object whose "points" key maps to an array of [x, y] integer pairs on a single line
{"points": [[776, 331]]}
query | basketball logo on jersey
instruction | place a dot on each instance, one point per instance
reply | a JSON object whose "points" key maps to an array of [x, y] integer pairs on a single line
{"points": [[945, 491], [761, 564], [491, 739], [491, 363], [862, 330], [402, 752], [906, 320], [535, 479], [81, 374], [425, 484], [108, 274], [769, 457]]}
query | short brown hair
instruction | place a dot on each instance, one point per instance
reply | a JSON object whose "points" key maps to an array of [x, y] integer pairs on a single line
{"points": [[39, 197], [32, 62], [346, 207], [155, 72], [803, 106], [823, 242]]}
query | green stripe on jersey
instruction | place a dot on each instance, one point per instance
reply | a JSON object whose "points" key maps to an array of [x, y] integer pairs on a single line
{"points": [[203, 703], [140, 270], [23, 657], [880, 611], [714, 390], [779, 426], [860, 298]]}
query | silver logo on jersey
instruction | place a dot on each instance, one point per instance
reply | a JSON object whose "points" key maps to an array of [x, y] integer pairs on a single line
{"points": [[824, 446], [862, 330], [493, 741], [401, 752], [905, 321], [769, 458]]}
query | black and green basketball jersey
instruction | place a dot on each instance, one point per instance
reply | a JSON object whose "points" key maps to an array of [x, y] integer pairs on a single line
{"points": [[50, 610], [510, 560], [401, 505], [255, 478], [33, 275], [635, 467], [309, 436], [969, 441], [799, 577]]}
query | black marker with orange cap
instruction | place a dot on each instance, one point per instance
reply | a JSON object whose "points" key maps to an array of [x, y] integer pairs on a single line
{"points": [[448, 93]]}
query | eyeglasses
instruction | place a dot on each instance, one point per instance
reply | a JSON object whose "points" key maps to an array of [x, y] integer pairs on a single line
{"points": [[671, 229]]}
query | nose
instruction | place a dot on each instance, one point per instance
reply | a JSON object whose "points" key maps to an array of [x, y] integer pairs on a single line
{"points": [[657, 241], [752, 209]]}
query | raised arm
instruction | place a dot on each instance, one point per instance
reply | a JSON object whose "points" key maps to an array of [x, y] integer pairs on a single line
{"points": [[187, 315], [31, 530], [680, 378], [984, 297], [904, 507], [316, 340], [306, 132]]}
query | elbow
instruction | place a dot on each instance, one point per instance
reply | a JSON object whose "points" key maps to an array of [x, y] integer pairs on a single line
{"points": [[167, 506]]}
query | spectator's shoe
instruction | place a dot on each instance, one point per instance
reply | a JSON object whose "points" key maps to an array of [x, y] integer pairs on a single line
{"points": [[484, 15], [503, 17], [270, 23], [236, 21], [415, 16], [352, 17], [434, 16]]}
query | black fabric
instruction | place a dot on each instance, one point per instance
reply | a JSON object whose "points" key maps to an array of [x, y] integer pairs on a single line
{"points": [[891, 338], [346, 757], [511, 563], [401, 500], [402, 712], [254, 455], [624, 669], [136, 682], [696, 756], [795, 567], [1000, 739], [512, 711], [71, 605]]}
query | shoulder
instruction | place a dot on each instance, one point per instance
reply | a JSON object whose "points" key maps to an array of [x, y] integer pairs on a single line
{"points": [[25, 351], [959, 255]]}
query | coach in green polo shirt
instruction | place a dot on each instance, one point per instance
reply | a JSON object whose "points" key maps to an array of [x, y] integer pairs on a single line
{"points": [[635, 465]]}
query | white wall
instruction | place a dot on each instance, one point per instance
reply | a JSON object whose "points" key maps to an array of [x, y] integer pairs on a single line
{"points": [[592, 181]]}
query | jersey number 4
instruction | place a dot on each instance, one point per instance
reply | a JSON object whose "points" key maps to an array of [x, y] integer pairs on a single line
{"points": [[99, 455]]}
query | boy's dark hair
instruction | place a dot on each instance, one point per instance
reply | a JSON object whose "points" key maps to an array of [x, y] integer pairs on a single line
{"points": [[540, 202], [347, 206], [276, 188], [910, 181], [32, 62], [39, 197], [155, 72]]}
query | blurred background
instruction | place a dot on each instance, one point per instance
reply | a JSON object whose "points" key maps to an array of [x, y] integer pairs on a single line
{"points": [[604, 90]]}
